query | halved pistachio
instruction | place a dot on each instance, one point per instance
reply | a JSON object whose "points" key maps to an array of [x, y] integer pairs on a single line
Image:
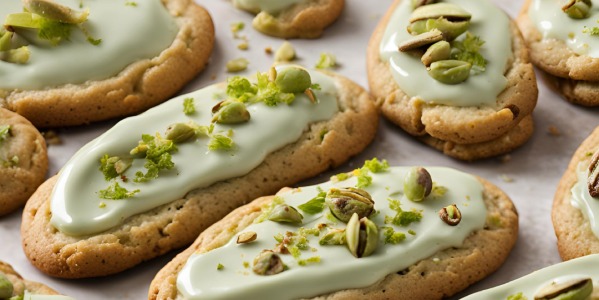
{"points": [[578, 9], [286, 214], [448, 11], [417, 184], [334, 236], [230, 112], [6, 287], [450, 71], [440, 50], [362, 236], [420, 40], [346, 202], [5, 40], [418, 3], [268, 263], [246, 237], [54, 11], [180, 132], [293, 80], [451, 215], [593, 177], [577, 289]]}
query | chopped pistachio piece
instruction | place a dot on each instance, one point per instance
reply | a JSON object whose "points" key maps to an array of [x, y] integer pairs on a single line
{"points": [[326, 61], [268, 263], [220, 142], [4, 133], [231, 112], [16, 56], [246, 237], [220, 267], [237, 65], [285, 53], [293, 80], [5, 40], [6, 287], [188, 106], [54, 11], [333, 237]]}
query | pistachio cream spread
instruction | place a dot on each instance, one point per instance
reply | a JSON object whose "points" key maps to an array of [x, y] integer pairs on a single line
{"points": [[574, 279], [272, 7], [470, 73], [582, 199], [207, 140], [123, 32], [320, 249], [580, 33]]}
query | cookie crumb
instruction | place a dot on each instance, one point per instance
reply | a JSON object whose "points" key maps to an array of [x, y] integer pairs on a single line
{"points": [[553, 131], [506, 178], [268, 50]]}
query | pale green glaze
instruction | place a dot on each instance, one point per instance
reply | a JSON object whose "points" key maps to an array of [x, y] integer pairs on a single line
{"points": [[553, 23], [272, 7], [338, 269], [529, 285], [582, 200], [75, 204], [488, 22], [29, 296], [128, 33]]}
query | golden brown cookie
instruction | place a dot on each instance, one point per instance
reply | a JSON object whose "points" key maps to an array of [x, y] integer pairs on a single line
{"points": [[138, 87], [23, 160], [20, 285]]}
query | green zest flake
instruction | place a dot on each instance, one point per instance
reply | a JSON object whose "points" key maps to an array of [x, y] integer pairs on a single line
{"points": [[116, 192], [131, 3], [364, 179], [402, 218], [412, 232], [188, 106], [315, 86], [376, 166], [237, 27], [50, 30], [323, 133], [246, 264], [269, 92], [237, 65], [311, 260], [220, 267], [107, 167], [468, 50], [341, 177], [240, 88], [315, 205], [592, 31], [267, 209], [518, 296], [220, 142], [326, 61], [158, 156], [4, 133], [93, 41], [392, 237]]}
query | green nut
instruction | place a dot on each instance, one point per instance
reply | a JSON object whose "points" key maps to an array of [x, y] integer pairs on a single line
{"points": [[450, 71], [333, 237], [5, 40], [438, 51], [451, 215], [577, 289], [417, 184], [285, 53], [268, 263], [346, 202], [16, 56], [293, 80], [362, 236], [230, 112], [450, 30], [285, 214], [440, 10], [6, 287], [427, 38], [180, 132], [418, 3], [578, 9], [54, 11]]}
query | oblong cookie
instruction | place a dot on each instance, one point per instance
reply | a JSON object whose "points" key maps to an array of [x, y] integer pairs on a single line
{"points": [[153, 232], [23, 160], [139, 86], [313, 274], [574, 232]]}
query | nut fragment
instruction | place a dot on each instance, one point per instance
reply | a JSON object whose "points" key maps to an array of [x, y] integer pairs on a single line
{"points": [[577, 289], [285, 53], [450, 71], [577, 9], [593, 179], [438, 51], [448, 11], [450, 215], [418, 3], [293, 80], [362, 236], [6, 287], [54, 11], [246, 237], [346, 202], [335, 236], [420, 40], [180, 132], [268, 263], [230, 112], [285, 214], [417, 184]]}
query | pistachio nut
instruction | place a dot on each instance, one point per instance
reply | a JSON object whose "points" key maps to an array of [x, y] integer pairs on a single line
{"points": [[577, 289], [246, 237], [593, 178], [5, 40], [268, 263], [334, 236], [285, 53], [121, 165], [230, 112], [420, 40], [16, 56], [54, 11], [180, 132], [362, 236], [346, 202], [418, 3], [417, 184], [577, 9], [451, 215], [284, 213], [293, 80], [440, 50], [450, 71], [6, 287], [448, 11], [237, 65]]}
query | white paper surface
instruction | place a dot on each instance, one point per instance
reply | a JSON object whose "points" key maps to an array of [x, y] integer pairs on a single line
{"points": [[535, 168]]}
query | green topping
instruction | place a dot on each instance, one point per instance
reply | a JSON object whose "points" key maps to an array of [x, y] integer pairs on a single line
{"points": [[116, 192], [267, 210], [518, 296], [412, 232], [364, 179], [220, 267], [392, 237], [592, 31], [4, 133], [113, 166], [376, 166], [188, 106], [323, 133], [131, 3], [293, 80], [315, 205], [310, 260], [158, 156], [93, 41], [237, 27], [333, 237], [341, 177], [326, 61], [237, 65], [6, 287], [221, 142], [402, 218], [468, 50]]}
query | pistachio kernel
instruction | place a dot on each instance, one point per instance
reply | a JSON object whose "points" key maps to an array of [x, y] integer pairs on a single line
{"points": [[448, 11], [16, 56], [54, 11], [246, 237], [293, 80], [121, 165], [334, 236], [593, 178], [418, 3], [285, 214], [180, 132], [440, 50], [568, 290], [268, 263], [346, 202], [6, 287], [285, 53], [420, 40], [577, 9], [417, 184], [237, 65], [230, 112], [450, 71], [362, 236], [451, 215], [5, 40]]}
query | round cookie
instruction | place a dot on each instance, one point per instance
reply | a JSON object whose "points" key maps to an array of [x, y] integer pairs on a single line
{"points": [[139, 86], [300, 19], [20, 285], [23, 160]]}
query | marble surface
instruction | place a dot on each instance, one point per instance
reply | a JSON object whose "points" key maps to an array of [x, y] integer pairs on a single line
{"points": [[530, 177]]}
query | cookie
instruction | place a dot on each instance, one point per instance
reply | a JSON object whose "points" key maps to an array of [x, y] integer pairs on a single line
{"points": [[63, 86], [565, 50], [20, 286], [574, 279], [292, 18], [573, 205], [409, 256], [23, 160], [481, 109], [205, 167]]}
